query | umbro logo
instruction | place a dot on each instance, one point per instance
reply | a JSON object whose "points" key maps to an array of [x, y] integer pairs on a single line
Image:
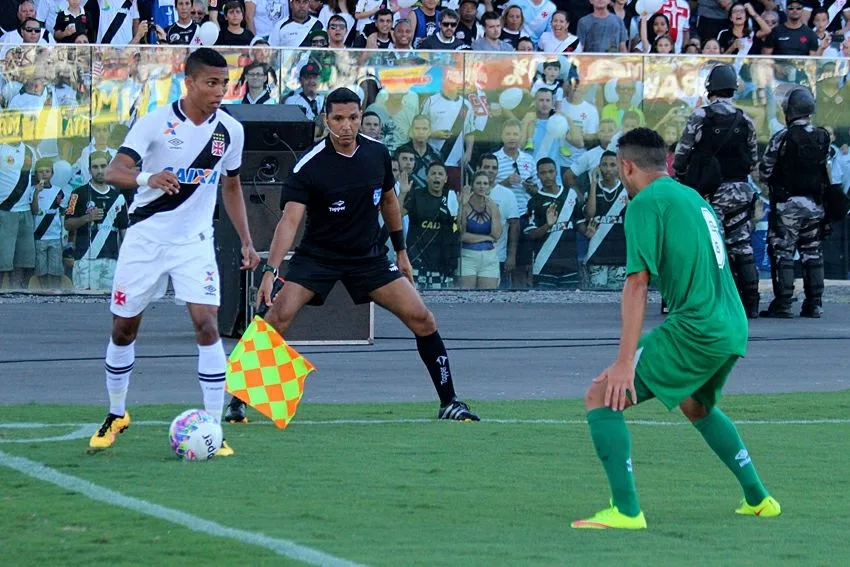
{"points": [[175, 143], [743, 458]]}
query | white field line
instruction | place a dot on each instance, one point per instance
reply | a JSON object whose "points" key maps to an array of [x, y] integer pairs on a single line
{"points": [[656, 423], [282, 547]]}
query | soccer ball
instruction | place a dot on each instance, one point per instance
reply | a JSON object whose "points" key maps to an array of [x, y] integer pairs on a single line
{"points": [[195, 435]]}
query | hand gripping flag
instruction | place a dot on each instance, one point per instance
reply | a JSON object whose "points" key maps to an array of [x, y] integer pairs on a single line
{"points": [[266, 373]]}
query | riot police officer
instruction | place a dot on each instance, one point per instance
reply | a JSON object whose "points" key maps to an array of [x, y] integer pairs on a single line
{"points": [[716, 154], [794, 166]]}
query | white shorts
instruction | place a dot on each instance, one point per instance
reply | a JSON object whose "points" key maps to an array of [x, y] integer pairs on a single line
{"points": [[144, 267], [480, 263]]}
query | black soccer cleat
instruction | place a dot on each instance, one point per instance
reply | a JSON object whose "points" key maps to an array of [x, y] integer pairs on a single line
{"points": [[811, 311], [236, 411], [776, 313], [458, 411]]}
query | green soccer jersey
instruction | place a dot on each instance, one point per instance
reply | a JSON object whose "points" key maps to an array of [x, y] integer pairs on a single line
{"points": [[672, 233]]}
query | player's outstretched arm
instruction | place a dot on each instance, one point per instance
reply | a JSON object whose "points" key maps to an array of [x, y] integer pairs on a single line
{"points": [[284, 237], [234, 204], [391, 211], [632, 312], [620, 376], [123, 174]]}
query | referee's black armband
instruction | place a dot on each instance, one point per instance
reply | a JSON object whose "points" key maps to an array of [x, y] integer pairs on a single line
{"points": [[397, 238]]}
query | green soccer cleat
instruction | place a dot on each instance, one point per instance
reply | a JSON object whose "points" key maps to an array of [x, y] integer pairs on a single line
{"points": [[767, 508], [611, 519]]}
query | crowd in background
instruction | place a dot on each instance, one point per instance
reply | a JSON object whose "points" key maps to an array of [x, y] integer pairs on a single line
{"points": [[504, 160]]}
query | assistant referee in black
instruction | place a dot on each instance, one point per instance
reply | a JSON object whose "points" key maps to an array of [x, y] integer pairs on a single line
{"points": [[342, 184]]}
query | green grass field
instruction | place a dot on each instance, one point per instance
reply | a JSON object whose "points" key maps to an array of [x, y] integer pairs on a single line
{"points": [[429, 493]]}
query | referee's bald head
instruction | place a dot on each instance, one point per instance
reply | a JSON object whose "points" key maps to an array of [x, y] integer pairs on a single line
{"points": [[341, 95]]}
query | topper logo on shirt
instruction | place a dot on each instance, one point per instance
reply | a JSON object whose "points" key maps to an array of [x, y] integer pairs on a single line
{"points": [[171, 128], [194, 175]]}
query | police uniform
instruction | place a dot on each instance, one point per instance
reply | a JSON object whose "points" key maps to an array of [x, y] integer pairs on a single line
{"points": [[342, 238], [794, 165], [732, 201]]}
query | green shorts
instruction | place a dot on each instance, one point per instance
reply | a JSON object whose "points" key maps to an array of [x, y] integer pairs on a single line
{"points": [[673, 370]]}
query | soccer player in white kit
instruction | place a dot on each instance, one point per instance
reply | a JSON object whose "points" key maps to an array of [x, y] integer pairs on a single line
{"points": [[174, 157]]}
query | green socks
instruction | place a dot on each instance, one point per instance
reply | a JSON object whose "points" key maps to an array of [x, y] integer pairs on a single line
{"points": [[613, 446], [722, 436]]}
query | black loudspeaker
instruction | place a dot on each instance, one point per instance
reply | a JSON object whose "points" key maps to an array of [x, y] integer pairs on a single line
{"points": [[269, 127], [275, 138]]}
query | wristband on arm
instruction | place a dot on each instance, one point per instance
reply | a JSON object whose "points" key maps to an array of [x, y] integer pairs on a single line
{"points": [[142, 179], [397, 239]]}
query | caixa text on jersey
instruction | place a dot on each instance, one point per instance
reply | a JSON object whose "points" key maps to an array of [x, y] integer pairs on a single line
{"points": [[194, 175]]}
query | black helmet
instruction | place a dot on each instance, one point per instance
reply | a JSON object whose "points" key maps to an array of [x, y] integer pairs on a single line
{"points": [[798, 103], [721, 78]]}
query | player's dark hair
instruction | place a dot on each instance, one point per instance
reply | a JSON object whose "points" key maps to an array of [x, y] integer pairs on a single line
{"points": [[490, 16], [369, 113], [337, 18], [523, 38], [405, 150], [491, 157], [28, 20], [645, 148], [449, 13], [341, 95], [547, 160], [204, 57], [434, 164], [607, 153], [383, 12], [553, 63]]}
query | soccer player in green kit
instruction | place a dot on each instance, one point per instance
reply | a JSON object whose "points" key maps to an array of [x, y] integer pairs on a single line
{"points": [[673, 238]]}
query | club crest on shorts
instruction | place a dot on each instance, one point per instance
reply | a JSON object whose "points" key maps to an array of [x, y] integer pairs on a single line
{"points": [[376, 196]]}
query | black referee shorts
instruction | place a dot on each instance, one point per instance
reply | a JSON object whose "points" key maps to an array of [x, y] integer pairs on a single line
{"points": [[360, 277]]}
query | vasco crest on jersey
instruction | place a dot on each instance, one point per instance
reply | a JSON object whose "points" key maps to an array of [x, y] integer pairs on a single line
{"points": [[376, 196], [218, 145]]}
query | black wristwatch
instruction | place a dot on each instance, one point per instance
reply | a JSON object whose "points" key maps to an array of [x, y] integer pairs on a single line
{"points": [[268, 268]]}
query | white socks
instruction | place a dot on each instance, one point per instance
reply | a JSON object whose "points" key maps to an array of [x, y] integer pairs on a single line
{"points": [[119, 364], [212, 363]]}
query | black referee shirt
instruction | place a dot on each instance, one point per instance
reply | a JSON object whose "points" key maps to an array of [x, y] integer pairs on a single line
{"points": [[342, 195]]}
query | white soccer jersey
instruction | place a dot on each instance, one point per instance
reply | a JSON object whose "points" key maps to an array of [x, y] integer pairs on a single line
{"points": [[298, 99], [269, 15], [445, 114], [47, 223], [524, 166], [166, 140], [292, 34], [538, 17], [111, 9]]}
